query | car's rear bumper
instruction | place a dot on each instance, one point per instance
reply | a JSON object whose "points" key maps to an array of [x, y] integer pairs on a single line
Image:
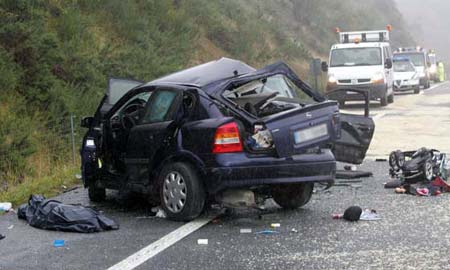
{"points": [[240, 170], [375, 92]]}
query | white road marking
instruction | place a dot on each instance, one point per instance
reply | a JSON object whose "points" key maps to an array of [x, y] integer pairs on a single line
{"points": [[436, 85], [166, 241]]}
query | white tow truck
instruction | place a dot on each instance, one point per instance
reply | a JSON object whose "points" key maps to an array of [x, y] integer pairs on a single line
{"points": [[362, 60]]}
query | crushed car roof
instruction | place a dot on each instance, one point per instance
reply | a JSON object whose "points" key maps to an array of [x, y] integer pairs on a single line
{"points": [[207, 73]]}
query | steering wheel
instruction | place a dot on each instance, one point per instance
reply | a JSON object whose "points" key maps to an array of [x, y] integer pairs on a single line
{"points": [[130, 115]]}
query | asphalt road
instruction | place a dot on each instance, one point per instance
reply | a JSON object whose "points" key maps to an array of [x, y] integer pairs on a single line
{"points": [[412, 234]]}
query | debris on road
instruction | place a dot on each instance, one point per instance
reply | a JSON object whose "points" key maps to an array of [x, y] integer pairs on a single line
{"points": [[417, 166], [353, 213], [275, 225], [267, 232], [294, 230], [54, 215], [58, 243], [380, 160], [423, 172], [5, 206], [369, 215], [350, 167], [10, 227], [202, 241], [159, 212], [245, 230], [2, 236], [345, 174]]}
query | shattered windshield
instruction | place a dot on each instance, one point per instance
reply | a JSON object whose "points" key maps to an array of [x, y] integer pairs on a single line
{"points": [[355, 57]]}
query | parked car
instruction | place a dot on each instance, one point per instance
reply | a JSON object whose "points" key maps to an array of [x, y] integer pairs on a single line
{"points": [[406, 77], [198, 135], [419, 58]]}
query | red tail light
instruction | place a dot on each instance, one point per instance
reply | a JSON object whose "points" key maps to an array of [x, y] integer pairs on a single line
{"points": [[227, 139]]}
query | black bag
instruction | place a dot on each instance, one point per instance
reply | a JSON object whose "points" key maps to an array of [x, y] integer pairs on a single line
{"points": [[54, 215]]}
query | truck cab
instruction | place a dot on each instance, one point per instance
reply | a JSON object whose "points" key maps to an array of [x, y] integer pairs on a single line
{"points": [[362, 60]]}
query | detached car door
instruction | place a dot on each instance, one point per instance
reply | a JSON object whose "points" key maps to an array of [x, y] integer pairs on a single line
{"points": [[356, 132], [151, 136]]}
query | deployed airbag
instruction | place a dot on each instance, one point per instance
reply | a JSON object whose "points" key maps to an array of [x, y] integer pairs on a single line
{"points": [[54, 215]]}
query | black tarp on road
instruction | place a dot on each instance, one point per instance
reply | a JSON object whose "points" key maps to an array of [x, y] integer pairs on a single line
{"points": [[54, 215]]}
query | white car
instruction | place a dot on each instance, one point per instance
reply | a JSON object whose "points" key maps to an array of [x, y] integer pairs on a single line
{"points": [[406, 77]]}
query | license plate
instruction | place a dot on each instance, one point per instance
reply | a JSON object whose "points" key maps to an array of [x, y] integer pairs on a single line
{"points": [[311, 133]]}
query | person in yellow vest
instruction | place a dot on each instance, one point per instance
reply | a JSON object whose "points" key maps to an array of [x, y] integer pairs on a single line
{"points": [[441, 72]]}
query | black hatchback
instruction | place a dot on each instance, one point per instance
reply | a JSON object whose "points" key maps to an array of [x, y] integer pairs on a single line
{"points": [[218, 132]]}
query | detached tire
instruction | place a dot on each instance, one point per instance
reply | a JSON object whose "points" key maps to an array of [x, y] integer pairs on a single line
{"points": [[95, 193], [292, 196], [181, 191]]}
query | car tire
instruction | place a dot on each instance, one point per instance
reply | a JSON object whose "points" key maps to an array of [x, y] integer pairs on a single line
{"points": [[292, 196], [427, 84], [428, 170], [384, 100], [96, 194], [417, 90], [182, 192], [390, 98], [341, 103]]}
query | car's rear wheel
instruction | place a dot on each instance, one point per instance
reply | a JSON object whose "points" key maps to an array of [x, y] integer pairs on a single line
{"points": [[391, 98], [291, 196], [181, 190], [417, 90], [95, 193]]}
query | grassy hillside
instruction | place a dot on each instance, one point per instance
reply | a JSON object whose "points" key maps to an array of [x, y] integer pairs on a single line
{"points": [[55, 57]]}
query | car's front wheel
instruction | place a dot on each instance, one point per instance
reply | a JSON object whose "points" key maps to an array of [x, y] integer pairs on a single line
{"points": [[291, 196], [181, 190], [96, 194]]}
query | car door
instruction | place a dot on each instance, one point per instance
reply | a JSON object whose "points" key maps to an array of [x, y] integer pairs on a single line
{"points": [[356, 132], [151, 136], [98, 139]]}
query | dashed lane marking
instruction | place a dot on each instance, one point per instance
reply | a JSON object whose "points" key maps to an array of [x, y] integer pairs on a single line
{"points": [[160, 245]]}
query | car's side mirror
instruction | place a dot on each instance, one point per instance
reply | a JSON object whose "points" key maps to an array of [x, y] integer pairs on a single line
{"points": [[86, 122], [324, 66], [388, 63]]}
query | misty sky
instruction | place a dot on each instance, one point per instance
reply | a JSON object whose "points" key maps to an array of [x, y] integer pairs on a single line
{"points": [[429, 22]]}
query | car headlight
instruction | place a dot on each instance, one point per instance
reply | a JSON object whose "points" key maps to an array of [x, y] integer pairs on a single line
{"points": [[332, 79], [378, 78]]}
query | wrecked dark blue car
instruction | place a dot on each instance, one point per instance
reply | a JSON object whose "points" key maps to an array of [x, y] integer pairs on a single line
{"points": [[218, 132]]}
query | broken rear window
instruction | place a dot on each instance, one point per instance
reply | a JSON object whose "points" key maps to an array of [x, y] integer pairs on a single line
{"points": [[268, 95]]}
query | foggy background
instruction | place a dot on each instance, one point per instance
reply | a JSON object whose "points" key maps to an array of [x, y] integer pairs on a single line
{"points": [[429, 23]]}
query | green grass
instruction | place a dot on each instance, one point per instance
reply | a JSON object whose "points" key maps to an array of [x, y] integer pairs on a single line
{"points": [[49, 186]]}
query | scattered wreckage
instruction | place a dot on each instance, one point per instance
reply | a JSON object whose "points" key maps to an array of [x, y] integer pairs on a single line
{"points": [[216, 131], [422, 172]]}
